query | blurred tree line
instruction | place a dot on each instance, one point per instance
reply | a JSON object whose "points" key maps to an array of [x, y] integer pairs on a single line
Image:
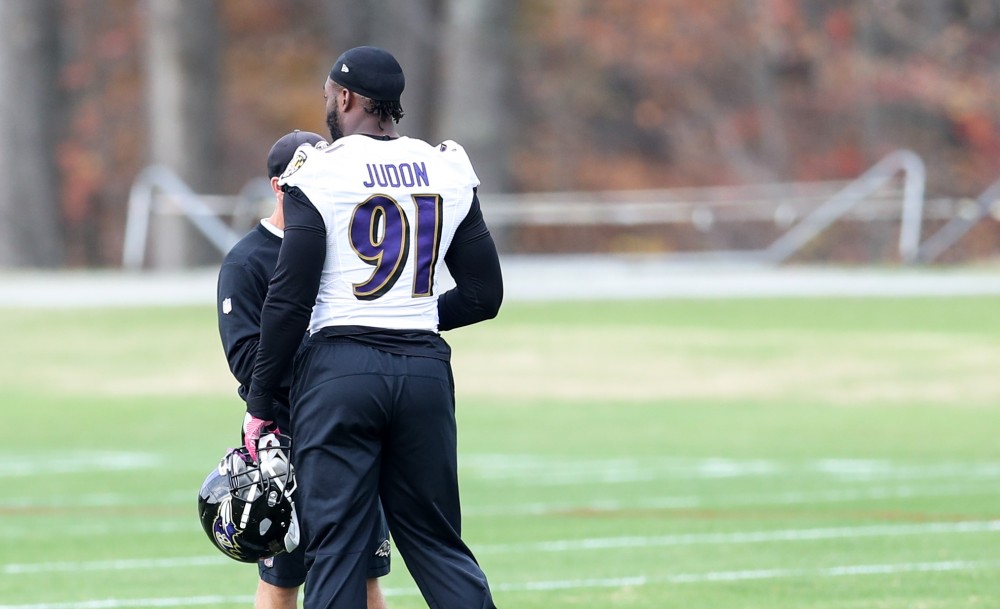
{"points": [[547, 95]]}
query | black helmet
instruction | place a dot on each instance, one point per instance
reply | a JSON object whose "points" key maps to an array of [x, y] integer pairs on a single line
{"points": [[246, 508]]}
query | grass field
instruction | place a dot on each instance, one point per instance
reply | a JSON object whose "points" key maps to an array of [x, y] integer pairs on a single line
{"points": [[792, 453]]}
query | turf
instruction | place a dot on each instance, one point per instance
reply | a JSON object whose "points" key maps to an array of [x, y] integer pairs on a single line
{"points": [[806, 453]]}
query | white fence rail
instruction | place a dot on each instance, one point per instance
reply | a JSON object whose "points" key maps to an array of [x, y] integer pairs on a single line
{"points": [[967, 216], [157, 189], [801, 210]]}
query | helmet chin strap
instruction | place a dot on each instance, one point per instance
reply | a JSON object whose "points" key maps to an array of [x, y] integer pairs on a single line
{"points": [[292, 535]]}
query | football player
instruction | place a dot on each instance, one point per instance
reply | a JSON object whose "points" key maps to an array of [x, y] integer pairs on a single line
{"points": [[242, 288], [370, 223]]}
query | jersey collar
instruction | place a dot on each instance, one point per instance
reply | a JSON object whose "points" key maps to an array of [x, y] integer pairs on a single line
{"points": [[274, 230]]}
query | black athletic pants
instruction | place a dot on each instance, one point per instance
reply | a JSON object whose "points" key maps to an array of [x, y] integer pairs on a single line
{"points": [[370, 423]]}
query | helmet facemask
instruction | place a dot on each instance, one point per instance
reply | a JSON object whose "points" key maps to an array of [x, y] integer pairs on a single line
{"points": [[246, 507]]}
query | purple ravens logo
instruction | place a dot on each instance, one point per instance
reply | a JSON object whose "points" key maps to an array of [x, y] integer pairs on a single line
{"points": [[225, 537]]}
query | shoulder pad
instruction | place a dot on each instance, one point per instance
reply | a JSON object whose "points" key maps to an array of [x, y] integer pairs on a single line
{"points": [[455, 154], [302, 154]]}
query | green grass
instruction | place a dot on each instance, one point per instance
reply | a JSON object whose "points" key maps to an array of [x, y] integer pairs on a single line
{"points": [[789, 453]]}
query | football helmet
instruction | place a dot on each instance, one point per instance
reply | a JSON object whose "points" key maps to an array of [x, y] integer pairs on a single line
{"points": [[246, 507]]}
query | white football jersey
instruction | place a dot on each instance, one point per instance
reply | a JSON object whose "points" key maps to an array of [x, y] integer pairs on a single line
{"points": [[391, 209]]}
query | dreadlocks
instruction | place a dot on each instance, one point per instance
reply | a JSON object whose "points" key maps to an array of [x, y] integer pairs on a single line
{"points": [[385, 110]]}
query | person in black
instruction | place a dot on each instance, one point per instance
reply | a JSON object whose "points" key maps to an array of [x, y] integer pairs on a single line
{"points": [[242, 288], [371, 222]]}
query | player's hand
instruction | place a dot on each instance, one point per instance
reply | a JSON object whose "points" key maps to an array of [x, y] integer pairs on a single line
{"points": [[253, 429]]}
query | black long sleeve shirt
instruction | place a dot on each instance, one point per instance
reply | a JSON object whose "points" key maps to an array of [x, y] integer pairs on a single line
{"points": [[242, 287], [471, 259]]}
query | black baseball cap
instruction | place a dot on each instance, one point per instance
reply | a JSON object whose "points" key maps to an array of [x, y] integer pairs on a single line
{"points": [[369, 71], [281, 153]]}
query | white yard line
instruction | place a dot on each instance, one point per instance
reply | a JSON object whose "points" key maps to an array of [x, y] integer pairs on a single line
{"points": [[115, 565], [530, 470], [74, 462], [722, 501], [123, 603], [572, 584], [99, 500], [875, 493], [564, 545], [752, 574], [743, 537], [117, 528], [533, 470]]}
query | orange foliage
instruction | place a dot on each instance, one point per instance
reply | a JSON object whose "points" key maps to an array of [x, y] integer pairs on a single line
{"points": [[609, 95]]}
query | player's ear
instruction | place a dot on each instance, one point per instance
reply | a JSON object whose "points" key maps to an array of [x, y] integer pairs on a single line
{"points": [[274, 185]]}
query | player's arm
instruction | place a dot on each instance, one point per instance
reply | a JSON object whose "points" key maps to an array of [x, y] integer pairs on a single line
{"points": [[240, 298], [290, 299], [475, 266]]}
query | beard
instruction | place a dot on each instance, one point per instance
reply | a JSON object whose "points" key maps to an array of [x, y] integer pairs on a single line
{"points": [[333, 124]]}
